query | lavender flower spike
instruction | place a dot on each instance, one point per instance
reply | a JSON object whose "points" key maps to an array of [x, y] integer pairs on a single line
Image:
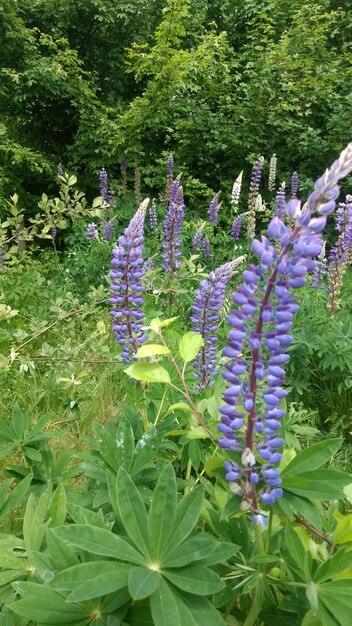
{"points": [[171, 232], [92, 232], [196, 241], [252, 198], [206, 249], [108, 229], [214, 209], [60, 171], [236, 225], [280, 202], [103, 182], [261, 322], [209, 299], [340, 255], [294, 184], [153, 219], [127, 273]]}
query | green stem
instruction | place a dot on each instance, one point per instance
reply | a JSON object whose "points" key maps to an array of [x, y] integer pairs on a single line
{"points": [[259, 539], [252, 615], [268, 536]]}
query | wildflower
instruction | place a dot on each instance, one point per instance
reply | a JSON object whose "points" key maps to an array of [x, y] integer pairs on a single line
{"points": [[236, 191], [92, 232], [60, 171], [280, 202], [153, 216], [196, 241], [208, 302], [171, 231], [261, 325], [103, 182], [214, 209], [320, 270], [108, 229], [341, 254], [236, 225], [294, 184], [127, 273], [252, 198], [272, 173], [206, 248]]}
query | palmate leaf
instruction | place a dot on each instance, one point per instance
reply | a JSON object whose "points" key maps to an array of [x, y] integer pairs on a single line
{"points": [[72, 577], [99, 541], [195, 579], [336, 596], [335, 565], [132, 511], [323, 485], [143, 582], [187, 515], [41, 604], [164, 606], [161, 516]]}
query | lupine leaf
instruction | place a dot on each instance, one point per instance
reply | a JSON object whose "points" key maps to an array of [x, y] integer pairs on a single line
{"points": [[195, 579], [311, 458], [161, 516], [148, 372], [187, 515], [189, 346], [44, 605], [164, 606], [99, 541], [132, 511], [151, 349], [142, 582]]}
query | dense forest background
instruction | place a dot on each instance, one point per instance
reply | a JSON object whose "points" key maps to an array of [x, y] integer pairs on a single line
{"points": [[90, 83]]}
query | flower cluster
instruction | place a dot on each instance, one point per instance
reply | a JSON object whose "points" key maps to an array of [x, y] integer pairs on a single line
{"points": [[103, 182], [169, 174], [261, 325], [209, 299], [294, 184], [108, 229], [236, 225], [153, 218], [206, 249], [127, 272], [272, 173], [53, 233], [172, 227], [252, 198], [280, 202], [341, 254], [321, 269], [197, 239], [60, 171], [92, 232], [236, 191], [214, 209]]}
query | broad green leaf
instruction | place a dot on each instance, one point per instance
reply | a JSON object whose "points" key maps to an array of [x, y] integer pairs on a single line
{"points": [[101, 585], [57, 510], [161, 516], [132, 511], [10, 575], [232, 506], [343, 530], [337, 598], [124, 444], [311, 458], [196, 611], [164, 608], [303, 506], [151, 349], [220, 553], [32, 453], [148, 373], [61, 553], [295, 547], [313, 485], [99, 541], [8, 560], [44, 605], [187, 515], [198, 433], [68, 579], [195, 579], [157, 323], [179, 406], [20, 421], [34, 525], [17, 496], [143, 582], [336, 564], [192, 549], [189, 346]]}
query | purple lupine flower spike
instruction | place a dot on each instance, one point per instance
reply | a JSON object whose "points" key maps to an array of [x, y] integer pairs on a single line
{"points": [[153, 219], [92, 232], [280, 202], [321, 270], [196, 241], [169, 175], [103, 182], [108, 229], [60, 171], [171, 232], [209, 299], [236, 225], [252, 198], [272, 172], [214, 209], [340, 255], [206, 249], [53, 232], [294, 184], [261, 325], [127, 273]]}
